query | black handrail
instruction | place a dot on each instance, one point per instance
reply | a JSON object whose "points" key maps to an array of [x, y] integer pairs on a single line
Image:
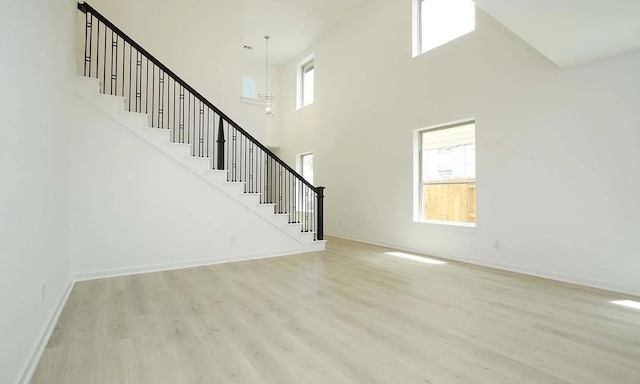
{"points": [[84, 7], [258, 167]]}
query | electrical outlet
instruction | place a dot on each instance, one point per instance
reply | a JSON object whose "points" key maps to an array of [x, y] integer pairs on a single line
{"points": [[497, 245], [232, 240], [42, 293]]}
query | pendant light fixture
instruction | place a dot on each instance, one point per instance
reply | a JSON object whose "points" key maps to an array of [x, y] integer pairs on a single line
{"points": [[266, 97]]}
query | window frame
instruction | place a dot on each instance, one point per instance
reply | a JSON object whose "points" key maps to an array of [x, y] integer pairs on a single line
{"points": [[301, 158], [306, 65], [299, 188], [418, 184]]}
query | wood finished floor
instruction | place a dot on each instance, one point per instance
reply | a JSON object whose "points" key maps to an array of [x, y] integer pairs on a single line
{"points": [[351, 314]]}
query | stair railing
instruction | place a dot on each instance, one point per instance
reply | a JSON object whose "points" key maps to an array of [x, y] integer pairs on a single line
{"points": [[148, 86]]}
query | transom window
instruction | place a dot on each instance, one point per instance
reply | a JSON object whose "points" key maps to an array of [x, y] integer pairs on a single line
{"points": [[437, 22], [446, 180]]}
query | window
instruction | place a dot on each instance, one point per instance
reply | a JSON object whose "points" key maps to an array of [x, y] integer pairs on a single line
{"points": [[304, 198], [437, 22], [248, 87], [446, 174], [306, 166], [306, 79]]}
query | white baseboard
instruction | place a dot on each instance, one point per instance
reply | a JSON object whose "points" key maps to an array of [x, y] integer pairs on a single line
{"points": [[183, 264], [510, 268], [44, 340]]}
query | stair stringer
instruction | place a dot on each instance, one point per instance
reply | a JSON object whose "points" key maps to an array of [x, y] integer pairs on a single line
{"points": [[113, 106]]}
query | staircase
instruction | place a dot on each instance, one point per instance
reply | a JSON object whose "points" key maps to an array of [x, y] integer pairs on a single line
{"points": [[127, 83]]}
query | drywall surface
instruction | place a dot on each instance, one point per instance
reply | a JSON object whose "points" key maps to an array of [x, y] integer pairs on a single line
{"points": [[134, 208], [557, 150], [202, 42], [36, 68]]}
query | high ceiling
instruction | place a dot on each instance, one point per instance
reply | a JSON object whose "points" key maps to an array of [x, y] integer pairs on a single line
{"points": [[567, 32], [292, 24], [571, 32]]}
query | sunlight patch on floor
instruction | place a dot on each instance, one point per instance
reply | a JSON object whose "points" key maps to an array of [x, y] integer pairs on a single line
{"points": [[421, 259], [627, 303]]}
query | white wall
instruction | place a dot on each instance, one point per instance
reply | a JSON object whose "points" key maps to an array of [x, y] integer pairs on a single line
{"points": [[557, 149], [36, 66], [134, 208], [202, 42]]}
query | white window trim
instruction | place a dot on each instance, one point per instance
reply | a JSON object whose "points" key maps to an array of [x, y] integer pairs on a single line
{"points": [[417, 33], [299, 167], [299, 164], [417, 203], [299, 80]]}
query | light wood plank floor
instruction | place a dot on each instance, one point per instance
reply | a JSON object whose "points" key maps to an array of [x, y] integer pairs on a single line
{"points": [[351, 314]]}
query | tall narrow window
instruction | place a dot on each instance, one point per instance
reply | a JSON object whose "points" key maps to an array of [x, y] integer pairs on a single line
{"points": [[304, 197], [437, 22], [446, 187], [306, 166], [306, 82]]}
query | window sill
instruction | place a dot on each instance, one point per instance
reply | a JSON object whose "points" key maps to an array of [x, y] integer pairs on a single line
{"points": [[450, 225]]}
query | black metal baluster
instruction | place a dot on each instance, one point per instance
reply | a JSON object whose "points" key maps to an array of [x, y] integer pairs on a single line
{"points": [[87, 44], [304, 208], [258, 174], [301, 204], [104, 63], [124, 74], [114, 75], [251, 181], [130, 77], [160, 98], [306, 215], [292, 202], [98, 50], [313, 211], [181, 119], [220, 142], [175, 121], [138, 81], [265, 181], [229, 163], [273, 184], [230, 154], [153, 92], [146, 94], [249, 163], [292, 198], [239, 155], [189, 119], [279, 191], [208, 135], [90, 26], [200, 130], [194, 126], [287, 178]]}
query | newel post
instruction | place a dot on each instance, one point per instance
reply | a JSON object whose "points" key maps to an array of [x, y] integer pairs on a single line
{"points": [[320, 213]]}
